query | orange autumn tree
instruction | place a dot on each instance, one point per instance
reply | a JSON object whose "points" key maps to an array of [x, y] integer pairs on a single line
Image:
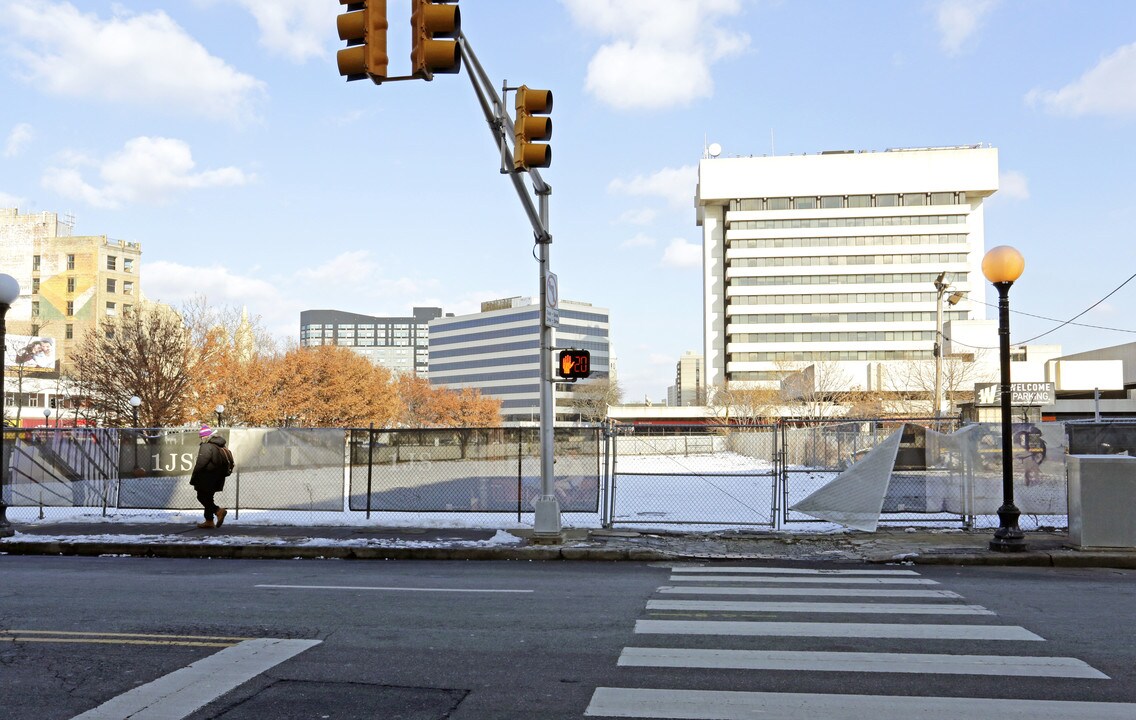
{"points": [[324, 386]]}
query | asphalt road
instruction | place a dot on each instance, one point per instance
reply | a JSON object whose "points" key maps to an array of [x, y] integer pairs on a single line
{"points": [[417, 640]]}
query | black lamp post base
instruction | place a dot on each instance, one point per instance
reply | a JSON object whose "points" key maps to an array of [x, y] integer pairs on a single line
{"points": [[1008, 537]]}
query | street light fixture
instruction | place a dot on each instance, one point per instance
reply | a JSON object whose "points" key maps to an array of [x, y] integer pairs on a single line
{"points": [[9, 292], [1002, 266], [47, 418], [220, 409], [135, 401]]}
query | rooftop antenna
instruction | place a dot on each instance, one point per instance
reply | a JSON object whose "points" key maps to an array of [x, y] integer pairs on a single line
{"points": [[772, 148], [714, 150]]}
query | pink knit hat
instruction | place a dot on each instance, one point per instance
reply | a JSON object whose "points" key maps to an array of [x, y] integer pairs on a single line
{"points": [[206, 431]]}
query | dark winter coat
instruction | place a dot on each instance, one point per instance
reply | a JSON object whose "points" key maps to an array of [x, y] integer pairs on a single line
{"points": [[211, 466]]}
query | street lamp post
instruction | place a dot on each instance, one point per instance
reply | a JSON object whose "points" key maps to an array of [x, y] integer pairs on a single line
{"points": [[220, 410], [47, 418], [9, 291], [135, 401], [1002, 266]]}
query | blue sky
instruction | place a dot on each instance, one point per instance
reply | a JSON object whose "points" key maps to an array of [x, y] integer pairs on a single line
{"points": [[219, 135]]}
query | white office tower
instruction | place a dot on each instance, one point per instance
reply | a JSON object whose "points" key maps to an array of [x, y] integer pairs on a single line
{"points": [[827, 264]]}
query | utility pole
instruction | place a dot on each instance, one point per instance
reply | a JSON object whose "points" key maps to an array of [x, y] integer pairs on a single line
{"points": [[440, 47], [546, 525], [940, 288]]}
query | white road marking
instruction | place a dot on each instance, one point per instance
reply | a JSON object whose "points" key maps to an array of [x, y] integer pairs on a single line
{"points": [[729, 705], [860, 662], [805, 579], [183, 691], [805, 592], [389, 589], [819, 607], [835, 630], [716, 570]]}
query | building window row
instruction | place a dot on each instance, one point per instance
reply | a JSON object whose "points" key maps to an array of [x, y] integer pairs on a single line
{"points": [[805, 223], [832, 355], [489, 377], [829, 260], [854, 336], [834, 202], [846, 241], [514, 332], [846, 317], [827, 299], [872, 279]]}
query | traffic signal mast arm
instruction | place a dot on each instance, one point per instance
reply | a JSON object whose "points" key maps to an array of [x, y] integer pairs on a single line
{"points": [[501, 125]]}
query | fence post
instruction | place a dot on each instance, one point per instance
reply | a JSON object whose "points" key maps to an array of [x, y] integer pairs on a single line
{"points": [[520, 468], [370, 463]]}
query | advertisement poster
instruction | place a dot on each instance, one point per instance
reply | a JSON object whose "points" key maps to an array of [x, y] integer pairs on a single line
{"points": [[32, 353]]}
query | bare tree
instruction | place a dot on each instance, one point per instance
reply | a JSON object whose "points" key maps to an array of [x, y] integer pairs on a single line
{"points": [[745, 405], [147, 353], [813, 390], [916, 379], [592, 399]]}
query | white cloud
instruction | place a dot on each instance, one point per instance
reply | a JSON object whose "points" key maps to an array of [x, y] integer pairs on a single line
{"points": [[174, 284], [349, 267], [640, 240], [147, 170], [18, 138], [641, 216], [659, 52], [9, 201], [958, 20], [296, 29], [143, 59], [676, 185], [1013, 184], [1106, 89], [682, 254]]}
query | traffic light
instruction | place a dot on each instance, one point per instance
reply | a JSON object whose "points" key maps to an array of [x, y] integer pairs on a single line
{"points": [[430, 20], [574, 364], [530, 125], [364, 27]]}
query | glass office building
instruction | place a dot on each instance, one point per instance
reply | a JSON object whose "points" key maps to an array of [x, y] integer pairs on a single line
{"points": [[497, 352]]}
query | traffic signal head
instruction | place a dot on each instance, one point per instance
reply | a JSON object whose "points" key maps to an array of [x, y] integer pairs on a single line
{"points": [[531, 125], [364, 27], [432, 19], [574, 364]]}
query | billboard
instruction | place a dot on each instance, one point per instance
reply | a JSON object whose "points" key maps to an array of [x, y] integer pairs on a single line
{"points": [[31, 352]]}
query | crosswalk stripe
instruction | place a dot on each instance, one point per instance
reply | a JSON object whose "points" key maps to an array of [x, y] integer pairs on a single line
{"points": [[805, 592], [800, 579], [719, 570], [734, 705], [183, 691], [860, 662], [819, 607], [835, 630]]}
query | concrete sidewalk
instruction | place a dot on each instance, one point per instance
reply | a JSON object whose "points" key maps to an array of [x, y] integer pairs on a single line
{"points": [[888, 545]]}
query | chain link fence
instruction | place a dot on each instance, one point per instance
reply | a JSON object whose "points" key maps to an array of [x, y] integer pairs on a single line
{"points": [[689, 477], [470, 470]]}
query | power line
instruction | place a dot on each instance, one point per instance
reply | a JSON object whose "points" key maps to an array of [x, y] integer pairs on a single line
{"points": [[1062, 324]]}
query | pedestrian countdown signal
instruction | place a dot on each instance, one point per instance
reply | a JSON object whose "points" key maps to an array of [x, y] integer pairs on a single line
{"points": [[574, 364]]}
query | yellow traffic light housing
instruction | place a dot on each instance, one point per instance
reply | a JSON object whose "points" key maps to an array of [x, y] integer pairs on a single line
{"points": [[364, 27], [574, 364], [430, 20], [531, 125]]}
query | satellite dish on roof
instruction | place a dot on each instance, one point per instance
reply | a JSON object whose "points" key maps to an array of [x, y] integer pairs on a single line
{"points": [[714, 150]]}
